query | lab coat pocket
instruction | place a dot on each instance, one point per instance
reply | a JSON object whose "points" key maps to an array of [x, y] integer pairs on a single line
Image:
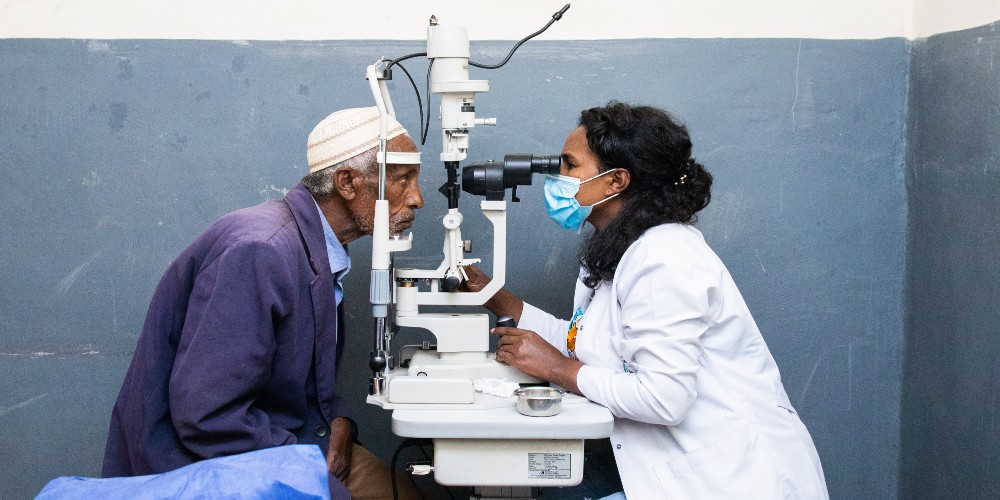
{"points": [[736, 466]]}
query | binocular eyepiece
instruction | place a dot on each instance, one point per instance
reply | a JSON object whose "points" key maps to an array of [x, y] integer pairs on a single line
{"points": [[491, 179]]}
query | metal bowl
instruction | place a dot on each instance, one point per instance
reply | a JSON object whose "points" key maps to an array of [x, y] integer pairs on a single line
{"points": [[539, 401]]}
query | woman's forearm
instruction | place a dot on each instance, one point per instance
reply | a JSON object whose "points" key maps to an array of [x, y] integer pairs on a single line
{"points": [[564, 374], [504, 303]]}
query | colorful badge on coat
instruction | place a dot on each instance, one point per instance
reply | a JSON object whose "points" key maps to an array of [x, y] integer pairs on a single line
{"points": [[574, 328]]}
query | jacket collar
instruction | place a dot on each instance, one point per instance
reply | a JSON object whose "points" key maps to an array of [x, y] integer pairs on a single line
{"points": [[303, 207]]}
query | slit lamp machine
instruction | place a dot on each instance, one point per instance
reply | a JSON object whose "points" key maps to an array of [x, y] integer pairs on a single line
{"points": [[479, 440]]}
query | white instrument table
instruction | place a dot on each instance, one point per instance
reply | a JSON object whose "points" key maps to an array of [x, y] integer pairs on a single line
{"points": [[499, 447], [579, 419]]}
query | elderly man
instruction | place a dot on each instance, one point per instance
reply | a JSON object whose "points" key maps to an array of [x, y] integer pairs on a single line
{"points": [[244, 333]]}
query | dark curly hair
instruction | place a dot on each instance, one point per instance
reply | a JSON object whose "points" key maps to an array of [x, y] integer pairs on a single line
{"points": [[667, 185]]}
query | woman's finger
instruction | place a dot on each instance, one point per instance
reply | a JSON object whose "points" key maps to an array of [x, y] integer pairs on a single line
{"points": [[500, 356]]}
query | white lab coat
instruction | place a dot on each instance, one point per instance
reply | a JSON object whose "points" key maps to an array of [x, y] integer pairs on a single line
{"points": [[672, 350]]}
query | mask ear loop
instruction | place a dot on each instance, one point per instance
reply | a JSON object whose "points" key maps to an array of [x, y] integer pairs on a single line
{"points": [[599, 175], [609, 197]]}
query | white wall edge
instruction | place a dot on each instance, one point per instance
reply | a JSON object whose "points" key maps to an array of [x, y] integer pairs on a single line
{"points": [[488, 19], [931, 17], [485, 19]]}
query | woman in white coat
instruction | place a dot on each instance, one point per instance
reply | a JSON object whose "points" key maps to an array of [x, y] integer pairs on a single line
{"points": [[659, 334]]}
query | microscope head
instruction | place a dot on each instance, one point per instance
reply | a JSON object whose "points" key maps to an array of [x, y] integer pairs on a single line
{"points": [[491, 179]]}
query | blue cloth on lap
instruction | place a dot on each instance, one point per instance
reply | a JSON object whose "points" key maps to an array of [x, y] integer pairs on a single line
{"points": [[284, 472]]}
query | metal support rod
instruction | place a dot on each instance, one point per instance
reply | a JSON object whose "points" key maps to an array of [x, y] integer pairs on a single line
{"points": [[379, 359]]}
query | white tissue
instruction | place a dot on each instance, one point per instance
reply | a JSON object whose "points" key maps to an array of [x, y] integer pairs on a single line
{"points": [[495, 386]]}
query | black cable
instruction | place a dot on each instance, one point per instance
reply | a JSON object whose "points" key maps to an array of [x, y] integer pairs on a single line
{"points": [[447, 489], [408, 442], [417, 488], [555, 17], [423, 138], [425, 124], [407, 56], [420, 104]]}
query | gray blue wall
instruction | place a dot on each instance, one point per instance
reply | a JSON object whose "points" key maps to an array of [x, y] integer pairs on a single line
{"points": [[115, 154], [951, 404]]}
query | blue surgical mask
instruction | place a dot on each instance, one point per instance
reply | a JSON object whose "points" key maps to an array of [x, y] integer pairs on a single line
{"points": [[560, 201]]}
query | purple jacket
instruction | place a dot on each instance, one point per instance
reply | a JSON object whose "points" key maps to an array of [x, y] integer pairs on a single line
{"points": [[240, 347]]}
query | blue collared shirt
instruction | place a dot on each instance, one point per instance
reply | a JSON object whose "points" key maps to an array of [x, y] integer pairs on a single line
{"points": [[340, 262]]}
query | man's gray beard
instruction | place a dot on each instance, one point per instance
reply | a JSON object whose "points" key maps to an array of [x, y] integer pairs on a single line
{"points": [[366, 222]]}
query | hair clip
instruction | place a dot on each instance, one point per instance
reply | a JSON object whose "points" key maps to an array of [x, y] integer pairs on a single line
{"points": [[681, 180]]}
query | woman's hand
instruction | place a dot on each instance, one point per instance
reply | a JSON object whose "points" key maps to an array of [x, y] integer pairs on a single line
{"points": [[477, 279], [503, 303], [531, 354]]}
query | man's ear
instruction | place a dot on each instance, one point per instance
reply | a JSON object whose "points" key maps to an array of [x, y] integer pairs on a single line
{"points": [[347, 183], [620, 180]]}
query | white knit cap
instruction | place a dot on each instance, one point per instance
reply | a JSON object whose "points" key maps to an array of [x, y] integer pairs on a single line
{"points": [[346, 134]]}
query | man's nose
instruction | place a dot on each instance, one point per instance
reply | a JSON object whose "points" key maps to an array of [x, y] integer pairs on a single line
{"points": [[416, 200]]}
